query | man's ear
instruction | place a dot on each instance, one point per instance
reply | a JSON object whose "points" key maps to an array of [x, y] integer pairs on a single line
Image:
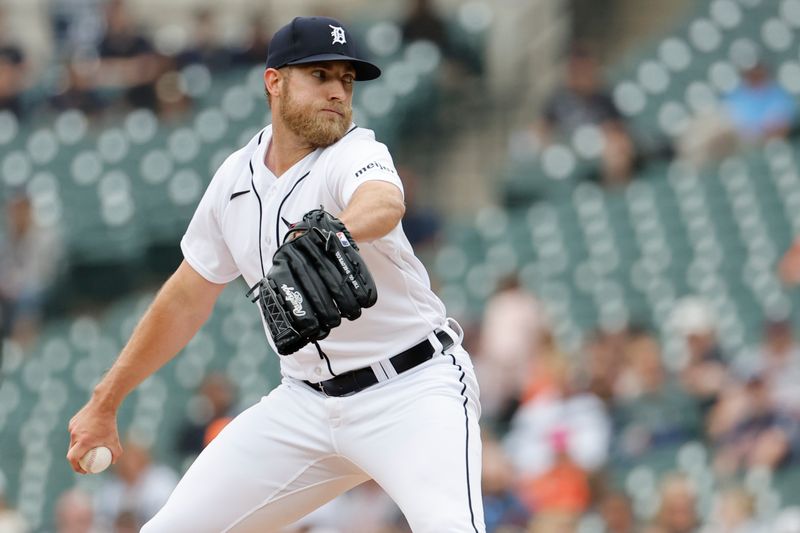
{"points": [[272, 81]]}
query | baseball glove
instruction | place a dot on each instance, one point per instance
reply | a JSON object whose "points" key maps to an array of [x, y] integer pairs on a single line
{"points": [[317, 277]]}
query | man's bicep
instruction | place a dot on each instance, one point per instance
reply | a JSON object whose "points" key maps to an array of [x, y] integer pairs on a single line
{"points": [[192, 288], [377, 189]]}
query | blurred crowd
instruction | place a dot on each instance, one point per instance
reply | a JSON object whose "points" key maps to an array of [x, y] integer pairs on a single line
{"points": [[104, 62], [30, 261], [582, 112], [563, 432]]}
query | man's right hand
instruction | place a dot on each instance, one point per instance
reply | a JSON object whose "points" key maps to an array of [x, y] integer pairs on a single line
{"points": [[94, 425]]}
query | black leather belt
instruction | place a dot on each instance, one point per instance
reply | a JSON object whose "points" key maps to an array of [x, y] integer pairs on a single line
{"points": [[359, 379]]}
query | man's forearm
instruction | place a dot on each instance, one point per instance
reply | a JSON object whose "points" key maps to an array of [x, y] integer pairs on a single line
{"points": [[167, 326], [375, 209]]}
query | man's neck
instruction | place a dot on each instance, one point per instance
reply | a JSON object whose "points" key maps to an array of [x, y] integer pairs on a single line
{"points": [[285, 150]]}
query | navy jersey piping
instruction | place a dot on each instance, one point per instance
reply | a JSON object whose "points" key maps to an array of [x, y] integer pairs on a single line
{"points": [[260, 221], [260, 210], [278, 218], [466, 454]]}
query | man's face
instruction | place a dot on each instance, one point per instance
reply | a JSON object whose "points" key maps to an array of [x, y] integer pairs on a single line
{"points": [[316, 101]]}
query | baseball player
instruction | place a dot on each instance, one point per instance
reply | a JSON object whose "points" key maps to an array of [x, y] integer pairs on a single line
{"points": [[376, 386]]}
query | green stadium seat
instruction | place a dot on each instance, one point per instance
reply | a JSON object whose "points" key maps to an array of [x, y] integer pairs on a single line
{"points": [[9, 127], [384, 39]]}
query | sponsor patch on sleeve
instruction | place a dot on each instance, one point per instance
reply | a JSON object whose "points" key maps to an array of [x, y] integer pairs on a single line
{"points": [[373, 165]]}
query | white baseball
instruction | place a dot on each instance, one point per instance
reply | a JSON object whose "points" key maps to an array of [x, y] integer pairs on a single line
{"points": [[96, 460]]}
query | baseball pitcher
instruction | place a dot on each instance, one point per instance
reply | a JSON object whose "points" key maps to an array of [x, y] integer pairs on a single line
{"points": [[375, 383]]}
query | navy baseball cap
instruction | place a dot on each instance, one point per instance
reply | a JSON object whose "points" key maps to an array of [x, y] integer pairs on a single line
{"points": [[314, 39]]}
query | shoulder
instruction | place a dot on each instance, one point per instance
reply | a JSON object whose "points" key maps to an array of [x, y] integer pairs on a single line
{"points": [[236, 166], [240, 159], [359, 144], [356, 136]]}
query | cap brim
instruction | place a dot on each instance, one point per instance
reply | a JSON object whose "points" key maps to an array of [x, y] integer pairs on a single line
{"points": [[364, 69]]}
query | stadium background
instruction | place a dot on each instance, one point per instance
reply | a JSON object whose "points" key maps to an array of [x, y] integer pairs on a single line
{"points": [[598, 412]]}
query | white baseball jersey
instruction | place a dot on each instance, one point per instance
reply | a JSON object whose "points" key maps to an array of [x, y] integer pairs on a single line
{"points": [[246, 211]]}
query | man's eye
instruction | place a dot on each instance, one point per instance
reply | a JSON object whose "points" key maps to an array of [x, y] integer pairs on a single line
{"points": [[348, 80], [318, 74]]}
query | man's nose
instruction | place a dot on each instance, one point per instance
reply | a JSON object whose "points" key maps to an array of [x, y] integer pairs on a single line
{"points": [[337, 90]]}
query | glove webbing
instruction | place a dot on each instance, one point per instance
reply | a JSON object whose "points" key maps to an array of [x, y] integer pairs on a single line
{"points": [[278, 322]]}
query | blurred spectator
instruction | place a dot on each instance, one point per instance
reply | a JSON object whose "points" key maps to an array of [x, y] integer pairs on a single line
{"points": [[547, 369], [213, 409], [749, 431], [779, 364], [617, 514], [789, 266], [605, 355], [677, 511], [74, 512], [757, 110], [30, 257], [510, 334], [205, 47], [423, 22], [76, 90], [502, 508], [255, 48], [462, 64], [584, 101], [561, 493], [138, 486], [653, 411], [704, 373], [77, 26], [13, 72], [172, 100], [555, 523], [126, 522], [128, 60], [562, 420], [11, 521], [421, 224], [734, 512], [709, 137], [760, 108]]}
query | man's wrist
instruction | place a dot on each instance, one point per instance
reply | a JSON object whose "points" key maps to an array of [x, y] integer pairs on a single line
{"points": [[105, 398]]}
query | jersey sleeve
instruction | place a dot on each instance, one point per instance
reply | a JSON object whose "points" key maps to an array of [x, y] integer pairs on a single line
{"points": [[203, 245], [362, 161]]}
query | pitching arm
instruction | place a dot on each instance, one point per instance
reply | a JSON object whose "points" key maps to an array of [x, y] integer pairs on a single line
{"points": [[375, 209], [181, 307]]}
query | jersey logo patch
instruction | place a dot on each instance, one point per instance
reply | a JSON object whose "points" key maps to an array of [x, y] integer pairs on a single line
{"points": [[342, 238], [337, 34]]}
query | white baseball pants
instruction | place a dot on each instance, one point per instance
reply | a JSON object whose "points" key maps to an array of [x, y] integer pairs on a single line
{"points": [[416, 435]]}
